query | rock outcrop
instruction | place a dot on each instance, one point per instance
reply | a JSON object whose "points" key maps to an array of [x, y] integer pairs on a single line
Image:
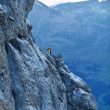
{"points": [[30, 79]]}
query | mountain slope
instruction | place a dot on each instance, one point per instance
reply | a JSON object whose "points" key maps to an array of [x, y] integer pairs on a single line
{"points": [[80, 32], [30, 79]]}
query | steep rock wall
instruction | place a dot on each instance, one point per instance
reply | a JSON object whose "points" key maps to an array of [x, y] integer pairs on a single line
{"points": [[29, 79]]}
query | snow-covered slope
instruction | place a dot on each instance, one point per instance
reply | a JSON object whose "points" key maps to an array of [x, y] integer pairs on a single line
{"points": [[80, 32]]}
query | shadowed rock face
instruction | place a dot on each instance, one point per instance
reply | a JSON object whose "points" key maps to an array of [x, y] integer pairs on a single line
{"points": [[29, 79]]}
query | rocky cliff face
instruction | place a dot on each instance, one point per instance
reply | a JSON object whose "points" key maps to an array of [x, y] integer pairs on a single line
{"points": [[30, 79]]}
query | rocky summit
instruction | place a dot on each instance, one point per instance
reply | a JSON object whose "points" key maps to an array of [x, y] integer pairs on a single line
{"points": [[29, 78]]}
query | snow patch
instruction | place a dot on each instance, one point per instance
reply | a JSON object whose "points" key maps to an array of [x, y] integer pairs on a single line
{"points": [[102, 0]]}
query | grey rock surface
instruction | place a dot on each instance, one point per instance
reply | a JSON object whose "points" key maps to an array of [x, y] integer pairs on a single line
{"points": [[30, 79]]}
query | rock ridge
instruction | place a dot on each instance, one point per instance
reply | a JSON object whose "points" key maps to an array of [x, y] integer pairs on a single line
{"points": [[29, 78]]}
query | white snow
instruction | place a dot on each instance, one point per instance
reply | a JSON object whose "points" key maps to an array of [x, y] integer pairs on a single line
{"points": [[54, 2], [101, 0]]}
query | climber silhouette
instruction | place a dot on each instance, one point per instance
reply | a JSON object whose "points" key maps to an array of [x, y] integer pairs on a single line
{"points": [[49, 51]]}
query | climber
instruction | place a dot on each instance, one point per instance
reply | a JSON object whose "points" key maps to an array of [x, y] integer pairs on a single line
{"points": [[49, 51], [59, 55]]}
